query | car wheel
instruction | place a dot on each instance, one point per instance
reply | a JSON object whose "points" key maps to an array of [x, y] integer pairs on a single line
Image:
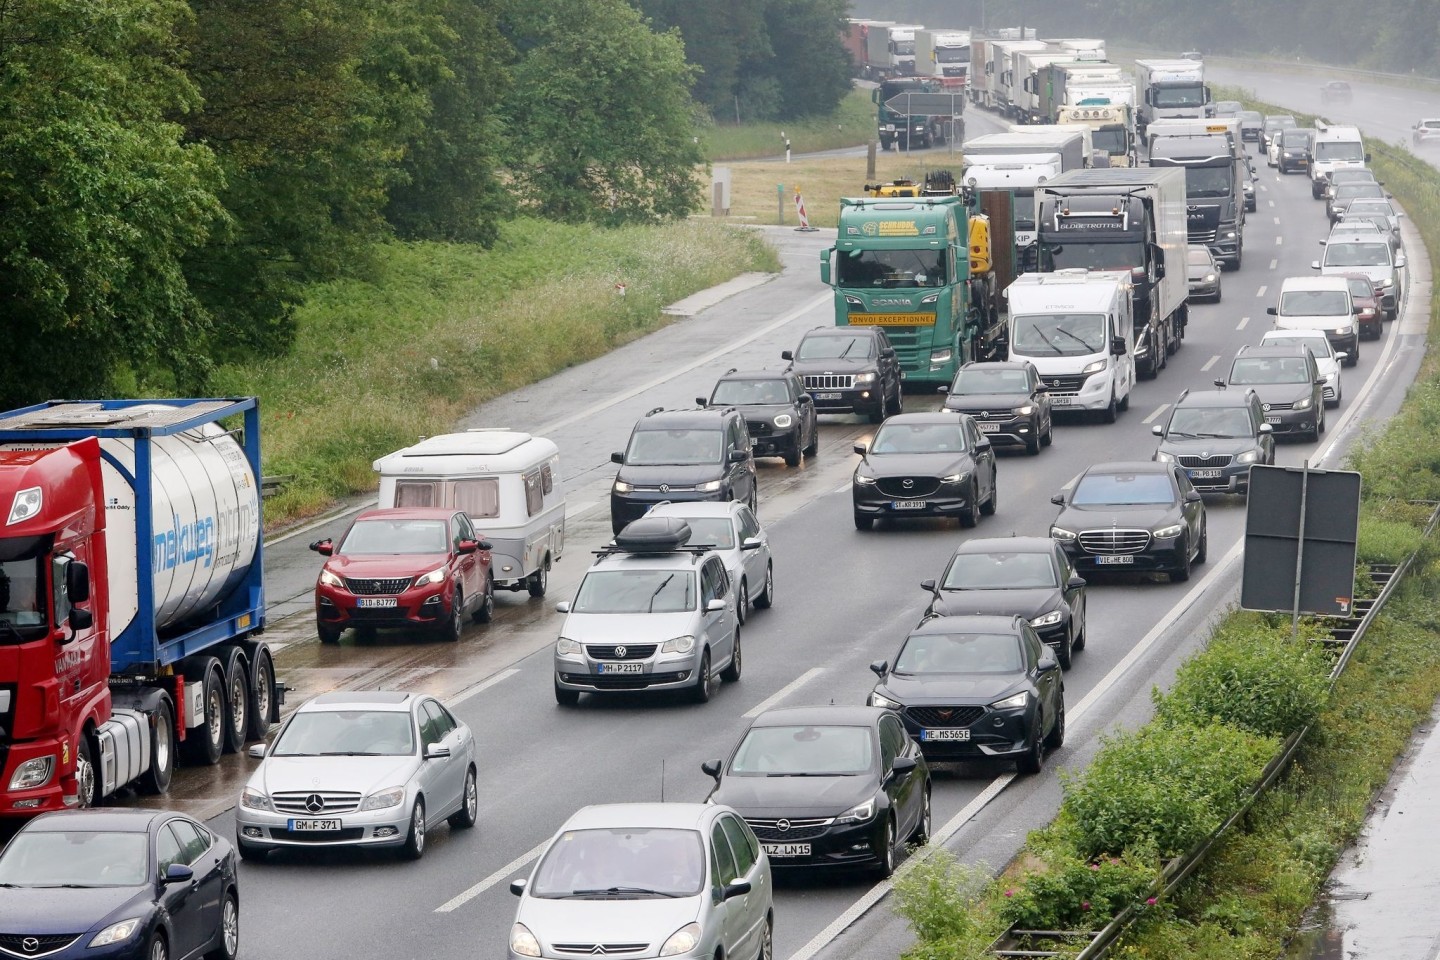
{"points": [[767, 598], [156, 948], [1204, 551], [814, 446], [229, 946], [863, 522], [970, 514], [742, 606], [1078, 643], [564, 697], [1048, 437], [704, 687], [731, 673], [486, 611], [539, 581], [469, 812], [792, 457], [1182, 573], [1055, 739], [454, 624], [767, 941], [1108, 414], [1034, 756], [1320, 422], [925, 828], [885, 856], [1217, 294], [899, 405], [1032, 445], [879, 413], [1354, 357], [414, 847], [754, 502], [1063, 652], [248, 851], [329, 635], [988, 507]]}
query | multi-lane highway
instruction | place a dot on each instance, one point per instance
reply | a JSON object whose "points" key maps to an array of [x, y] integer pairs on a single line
{"points": [[844, 598]]}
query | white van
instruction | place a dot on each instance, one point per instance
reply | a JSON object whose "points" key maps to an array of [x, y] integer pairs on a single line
{"points": [[1320, 303], [1335, 148], [507, 483]]}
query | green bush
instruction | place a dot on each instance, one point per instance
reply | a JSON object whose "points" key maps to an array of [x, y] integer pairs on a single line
{"points": [[1075, 894], [1249, 676], [1163, 787], [939, 896], [1386, 541]]}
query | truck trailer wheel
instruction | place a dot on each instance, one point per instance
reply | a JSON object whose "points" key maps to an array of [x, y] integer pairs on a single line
{"points": [[262, 692], [237, 696], [162, 750], [204, 744]]}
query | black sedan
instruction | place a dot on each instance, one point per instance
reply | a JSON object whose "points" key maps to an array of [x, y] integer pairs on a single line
{"points": [[1007, 400], [1132, 515], [925, 464], [828, 786], [969, 688], [135, 884], [1030, 577]]}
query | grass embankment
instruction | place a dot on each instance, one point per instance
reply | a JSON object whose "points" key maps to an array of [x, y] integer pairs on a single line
{"points": [[1140, 802], [852, 123], [437, 329]]}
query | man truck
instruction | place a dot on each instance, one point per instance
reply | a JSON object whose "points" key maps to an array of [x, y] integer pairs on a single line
{"points": [[130, 575], [1214, 191], [1170, 88], [942, 53]]}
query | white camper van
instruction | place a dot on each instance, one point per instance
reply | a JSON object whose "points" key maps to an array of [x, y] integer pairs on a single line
{"points": [[508, 484]]}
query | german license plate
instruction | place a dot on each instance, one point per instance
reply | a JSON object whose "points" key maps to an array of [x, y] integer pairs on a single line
{"points": [[907, 504], [950, 735], [620, 668], [786, 849], [988, 427], [1204, 474], [313, 826], [1061, 401], [376, 602], [827, 396], [754, 442], [1118, 560], [1272, 419]]}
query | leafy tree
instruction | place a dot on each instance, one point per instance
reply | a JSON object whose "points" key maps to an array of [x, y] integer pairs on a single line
{"points": [[102, 199], [809, 63], [601, 115]]}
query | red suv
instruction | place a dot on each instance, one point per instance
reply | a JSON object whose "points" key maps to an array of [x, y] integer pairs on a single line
{"points": [[1366, 301], [404, 567]]}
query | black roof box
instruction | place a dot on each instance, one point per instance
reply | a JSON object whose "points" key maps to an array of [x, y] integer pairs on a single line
{"points": [[654, 535]]}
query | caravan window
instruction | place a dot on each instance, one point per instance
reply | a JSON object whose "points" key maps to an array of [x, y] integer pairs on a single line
{"points": [[534, 499], [415, 493], [479, 497], [547, 479]]}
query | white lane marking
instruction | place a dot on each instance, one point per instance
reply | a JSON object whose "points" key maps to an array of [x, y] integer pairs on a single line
{"points": [[1274, 264], [1261, 292], [483, 685], [1241, 324], [673, 372], [783, 692], [1277, 221], [1271, 202], [1279, 240], [1156, 415], [1210, 363], [460, 899], [843, 487]]}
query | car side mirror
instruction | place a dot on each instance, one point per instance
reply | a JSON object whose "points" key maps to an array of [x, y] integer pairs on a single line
{"points": [[1400, 263], [1272, 311], [736, 888], [435, 751], [1158, 430], [1266, 428], [1075, 583], [712, 768], [751, 543], [563, 606], [1041, 388], [880, 668], [1320, 381], [982, 444], [517, 887], [466, 547], [942, 389], [1219, 383], [928, 585], [1193, 497], [787, 355], [1117, 346], [860, 449], [1046, 663], [903, 765], [888, 353], [256, 751], [1343, 355], [617, 457], [324, 547], [714, 606], [1058, 499], [1314, 264], [178, 873], [739, 456]]}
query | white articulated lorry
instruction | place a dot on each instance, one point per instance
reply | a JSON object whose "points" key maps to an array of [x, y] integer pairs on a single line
{"points": [[1170, 88], [942, 53]]}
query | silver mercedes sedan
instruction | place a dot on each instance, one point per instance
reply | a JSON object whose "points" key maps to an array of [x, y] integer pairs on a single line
{"points": [[364, 768]]}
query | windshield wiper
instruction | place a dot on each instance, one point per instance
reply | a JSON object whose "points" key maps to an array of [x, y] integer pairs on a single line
{"points": [[663, 584], [1083, 343], [846, 352], [1044, 339], [10, 627], [348, 753], [809, 774], [618, 891]]}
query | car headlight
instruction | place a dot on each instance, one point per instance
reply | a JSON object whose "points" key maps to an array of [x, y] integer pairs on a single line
{"points": [[678, 644], [382, 799], [784, 420], [523, 942], [116, 933], [709, 486], [1061, 534], [434, 576], [253, 799], [1096, 367], [1302, 404], [1016, 702], [1049, 619], [1162, 457], [858, 813], [32, 773], [864, 378], [620, 487], [1024, 411], [1367, 312], [1209, 278], [1341, 331], [1230, 235], [1387, 283], [681, 941], [331, 579], [1167, 532], [955, 478], [1249, 456], [565, 647], [853, 301], [863, 480], [878, 699]]}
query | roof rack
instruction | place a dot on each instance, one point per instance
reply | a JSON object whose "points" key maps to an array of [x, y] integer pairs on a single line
{"points": [[651, 413]]}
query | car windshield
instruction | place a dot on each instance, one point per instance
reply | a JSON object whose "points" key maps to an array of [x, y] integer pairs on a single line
{"points": [[1357, 255], [83, 858], [891, 268], [347, 733], [1123, 489], [717, 532], [1262, 370], [1059, 334], [1314, 303], [1294, 138], [1208, 181], [1340, 150], [675, 447], [980, 380], [836, 347], [1000, 571], [1351, 176], [624, 863], [1366, 207], [741, 392], [1248, 117], [959, 653], [1279, 122], [1318, 344], [805, 751], [919, 438], [1199, 258], [1361, 287], [368, 538], [1202, 423], [636, 591]]}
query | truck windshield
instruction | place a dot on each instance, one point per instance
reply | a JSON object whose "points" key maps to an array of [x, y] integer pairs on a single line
{"points": [[1340, 150], [1208, 181], [23, 611], [952, 54], [1022, 209], [892, 268], [1058, 334], [1111, 140], [1095, 256], [1188, 95], [903, 48]]}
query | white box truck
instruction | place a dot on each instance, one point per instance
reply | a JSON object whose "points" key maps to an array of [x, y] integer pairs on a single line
{"points": [[891, 49], [942, 53], [1170, 88]]}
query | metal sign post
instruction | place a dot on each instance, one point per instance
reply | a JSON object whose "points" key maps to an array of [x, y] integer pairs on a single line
{"points": [[1300, 549]]}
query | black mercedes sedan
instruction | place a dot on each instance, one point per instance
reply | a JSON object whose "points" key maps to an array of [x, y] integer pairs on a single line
{"points": [[970, 688], [828, 786], [1030, 577], [925, 464], [1132, 515], [118, 885]]}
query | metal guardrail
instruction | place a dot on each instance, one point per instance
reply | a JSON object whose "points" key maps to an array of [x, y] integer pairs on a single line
{"points": [[1017, 942], [269, 486]]}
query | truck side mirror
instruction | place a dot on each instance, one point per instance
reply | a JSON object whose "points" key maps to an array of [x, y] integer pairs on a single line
{"points": [[77, 581], [1117, 346], [1272, 311], [787, 355], [825, 265]]}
